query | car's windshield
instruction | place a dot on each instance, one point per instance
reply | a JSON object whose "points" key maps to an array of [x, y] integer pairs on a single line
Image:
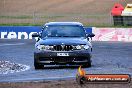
{"points": [[63, 31]]}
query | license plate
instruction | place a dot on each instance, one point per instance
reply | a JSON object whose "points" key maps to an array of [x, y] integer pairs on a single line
{"points": [[62, 54]]}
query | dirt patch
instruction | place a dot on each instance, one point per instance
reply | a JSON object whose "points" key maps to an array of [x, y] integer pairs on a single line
{"points": [[61, 84]]}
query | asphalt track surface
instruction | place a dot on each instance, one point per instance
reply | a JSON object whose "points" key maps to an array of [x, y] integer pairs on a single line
{"points": [[108, 58]]}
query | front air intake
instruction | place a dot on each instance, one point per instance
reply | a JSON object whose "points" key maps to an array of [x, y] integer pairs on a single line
{"points": [[63, 47]]}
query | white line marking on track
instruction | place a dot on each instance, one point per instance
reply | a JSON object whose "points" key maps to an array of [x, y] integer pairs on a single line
{"points": [[12, 44]]}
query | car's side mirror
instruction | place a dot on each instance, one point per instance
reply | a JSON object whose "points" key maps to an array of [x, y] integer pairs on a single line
{"points": [[90, 35], [35, 35]]}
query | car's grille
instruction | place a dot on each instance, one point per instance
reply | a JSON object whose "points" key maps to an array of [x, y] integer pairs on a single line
{"points": [[63, 47], [63, 59]]}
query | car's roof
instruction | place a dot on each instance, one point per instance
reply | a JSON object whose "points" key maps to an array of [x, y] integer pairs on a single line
{"points": [[63, 23]]}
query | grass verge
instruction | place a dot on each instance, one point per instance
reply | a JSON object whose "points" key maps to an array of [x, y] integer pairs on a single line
{"points": [[20, 24], [40, 24]]}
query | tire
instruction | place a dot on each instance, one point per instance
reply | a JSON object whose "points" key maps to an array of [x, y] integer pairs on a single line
{"points": [[88, 64], [36, 64]]}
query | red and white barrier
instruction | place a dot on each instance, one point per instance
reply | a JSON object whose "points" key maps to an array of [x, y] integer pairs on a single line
{"points": [[112, 34]]}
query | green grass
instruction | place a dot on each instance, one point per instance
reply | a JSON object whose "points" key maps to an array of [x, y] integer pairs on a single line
{"points": [[17, 17], [96, 16], [51, 16], [40, 24], [20, 24], [28, 17]]}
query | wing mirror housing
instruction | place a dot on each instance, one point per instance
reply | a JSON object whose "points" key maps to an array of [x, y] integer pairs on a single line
{"points": [[90, 35], [35, 35]]}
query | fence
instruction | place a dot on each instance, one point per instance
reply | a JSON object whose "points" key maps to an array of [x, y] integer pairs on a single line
{"points": [[41, 18], [122, 20], [90, 13]]}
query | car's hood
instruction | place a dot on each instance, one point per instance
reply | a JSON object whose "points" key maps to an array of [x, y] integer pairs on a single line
{"points": [[63, 41]]}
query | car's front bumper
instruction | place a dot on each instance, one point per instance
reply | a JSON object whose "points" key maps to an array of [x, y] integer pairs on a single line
{"points": [[77, 57]]}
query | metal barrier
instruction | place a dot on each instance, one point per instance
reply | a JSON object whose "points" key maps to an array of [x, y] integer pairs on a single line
{"points": [[112, 34], [18, 32], [23, 32]]}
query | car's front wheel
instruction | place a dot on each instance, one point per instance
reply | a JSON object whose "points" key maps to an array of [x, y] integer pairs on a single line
{"points": [[36, 64], [88, 64]]}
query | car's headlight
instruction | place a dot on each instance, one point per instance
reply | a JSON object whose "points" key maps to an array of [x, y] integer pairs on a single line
{"points": [[78, 47], [44, 47], [86, 47], [47, 47], [40, 47], [81, 47]]}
